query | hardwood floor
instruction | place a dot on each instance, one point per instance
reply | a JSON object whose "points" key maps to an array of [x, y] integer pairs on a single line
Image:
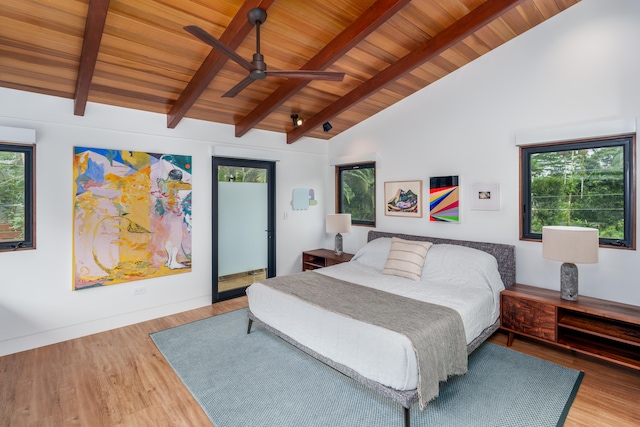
{"points": [[119, 378]]}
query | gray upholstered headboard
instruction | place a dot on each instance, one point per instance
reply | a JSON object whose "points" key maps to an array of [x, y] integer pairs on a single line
{"points": [[504, 254]]}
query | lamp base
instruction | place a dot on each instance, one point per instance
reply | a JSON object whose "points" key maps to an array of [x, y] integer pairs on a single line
{"points": [[338, 248], [569, 282]]}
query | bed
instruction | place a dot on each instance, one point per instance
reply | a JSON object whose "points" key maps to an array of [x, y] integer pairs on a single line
{"points": [[464, 278]]}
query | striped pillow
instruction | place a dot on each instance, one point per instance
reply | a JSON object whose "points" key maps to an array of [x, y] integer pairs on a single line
{"points": [[406, 258]]}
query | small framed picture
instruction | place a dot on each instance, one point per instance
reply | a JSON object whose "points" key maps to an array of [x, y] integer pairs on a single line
{"points": [[485, 197], [403, 198]]}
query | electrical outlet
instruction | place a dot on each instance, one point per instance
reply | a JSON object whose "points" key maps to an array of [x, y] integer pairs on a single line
{"points": [[140, 290]]}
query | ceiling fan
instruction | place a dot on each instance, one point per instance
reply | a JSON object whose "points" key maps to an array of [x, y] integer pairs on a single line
{"points": [[257, 68]]}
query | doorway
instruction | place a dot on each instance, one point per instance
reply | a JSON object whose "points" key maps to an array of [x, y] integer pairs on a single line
{"points": [[244, 243]]}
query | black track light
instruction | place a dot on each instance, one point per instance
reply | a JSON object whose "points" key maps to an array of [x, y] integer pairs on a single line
{"points": [[297, 121], [327, 127]]}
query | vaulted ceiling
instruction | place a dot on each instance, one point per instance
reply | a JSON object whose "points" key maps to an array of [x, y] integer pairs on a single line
{"points": [[137, 54]]}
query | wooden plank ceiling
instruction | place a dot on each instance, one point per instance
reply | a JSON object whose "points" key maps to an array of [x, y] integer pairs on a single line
{"points": [[136, 54]]}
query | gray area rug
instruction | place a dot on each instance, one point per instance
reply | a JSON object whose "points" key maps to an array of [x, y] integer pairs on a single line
{"points": [[260, 380]]}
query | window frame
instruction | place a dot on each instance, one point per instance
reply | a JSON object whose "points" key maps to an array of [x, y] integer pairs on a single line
{"points": [[628, 144], [338, 180], [29, 241]]}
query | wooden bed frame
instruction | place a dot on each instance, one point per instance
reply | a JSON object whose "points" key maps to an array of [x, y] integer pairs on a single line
{"points": [[504, 254]]}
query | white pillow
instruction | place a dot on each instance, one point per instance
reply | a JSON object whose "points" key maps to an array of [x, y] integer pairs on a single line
{"points": [[406, 258], [374, 254], [462, 265]]}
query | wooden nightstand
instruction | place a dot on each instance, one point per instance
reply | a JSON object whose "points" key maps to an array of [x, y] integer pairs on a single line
{"points": [[604, 329], [319, 258]]}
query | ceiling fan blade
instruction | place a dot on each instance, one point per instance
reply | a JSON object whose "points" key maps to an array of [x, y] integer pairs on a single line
{"points": [[217, 44], [238, 88], [307, 75]]}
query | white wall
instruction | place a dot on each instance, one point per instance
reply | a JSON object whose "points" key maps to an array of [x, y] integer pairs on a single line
{"points": [[578, 67], [37, 305]]}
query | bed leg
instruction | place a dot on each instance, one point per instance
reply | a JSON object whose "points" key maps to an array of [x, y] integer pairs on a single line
{"points": [[407, 417], [249, 326]]}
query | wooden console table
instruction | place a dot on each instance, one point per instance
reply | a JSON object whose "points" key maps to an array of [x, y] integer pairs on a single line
{"points": [[603, 329]]}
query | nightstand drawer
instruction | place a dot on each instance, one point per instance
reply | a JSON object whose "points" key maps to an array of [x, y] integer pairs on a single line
{"points": [[529, 317]]}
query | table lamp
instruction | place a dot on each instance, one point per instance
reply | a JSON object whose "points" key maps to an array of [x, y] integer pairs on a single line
{"points": [[338, 223], [570, 245]]}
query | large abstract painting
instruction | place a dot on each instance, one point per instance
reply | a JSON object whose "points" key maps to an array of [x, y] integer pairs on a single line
{"points": [[132, 216], [444, 199]]}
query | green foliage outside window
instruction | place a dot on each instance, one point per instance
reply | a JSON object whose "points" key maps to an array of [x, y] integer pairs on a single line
{"points": [[241, 174], [12, 192], [17, 179], [356, 192], [580, 184], [579, 187]]}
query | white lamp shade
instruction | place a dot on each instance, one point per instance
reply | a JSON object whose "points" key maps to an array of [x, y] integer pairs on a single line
{"points": [[578, 245], [338, 223]]}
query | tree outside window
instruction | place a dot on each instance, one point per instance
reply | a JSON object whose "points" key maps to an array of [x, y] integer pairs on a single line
{"points": [[586, 183], [241, 174], [356, 192], [16, 196]]}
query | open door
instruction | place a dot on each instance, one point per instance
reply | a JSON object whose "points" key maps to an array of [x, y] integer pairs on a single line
{"points": [[244, 244]]}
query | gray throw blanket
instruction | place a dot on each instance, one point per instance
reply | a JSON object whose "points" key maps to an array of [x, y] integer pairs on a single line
{"points": [[436, 332]]}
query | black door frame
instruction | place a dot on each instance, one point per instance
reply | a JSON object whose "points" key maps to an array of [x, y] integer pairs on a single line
{"points": [[271, 221]]}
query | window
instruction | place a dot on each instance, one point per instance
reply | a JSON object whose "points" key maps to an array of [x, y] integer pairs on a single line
{"points": [[17, 196], [356, 192], [583, 183]]}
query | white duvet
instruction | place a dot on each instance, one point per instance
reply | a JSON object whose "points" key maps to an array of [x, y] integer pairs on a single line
{"points": [[464, 279]]}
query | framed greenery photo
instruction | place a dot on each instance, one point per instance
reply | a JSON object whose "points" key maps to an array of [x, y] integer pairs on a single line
{"points": [[403, 198]]}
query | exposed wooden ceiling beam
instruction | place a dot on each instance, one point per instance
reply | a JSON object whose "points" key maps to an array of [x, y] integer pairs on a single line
{"points": [[467, 25], [232, 36], [366, 23], [96, 18]]}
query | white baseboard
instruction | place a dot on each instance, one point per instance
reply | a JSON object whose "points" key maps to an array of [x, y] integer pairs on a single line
{"points": [[54, 336]]}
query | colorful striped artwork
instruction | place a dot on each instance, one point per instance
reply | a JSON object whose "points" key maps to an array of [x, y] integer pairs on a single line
{"points": [[131, 216], [444, 199]]}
